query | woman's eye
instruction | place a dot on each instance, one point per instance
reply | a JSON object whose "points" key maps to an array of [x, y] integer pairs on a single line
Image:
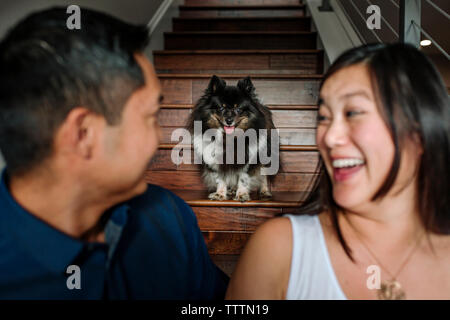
{"points": [[351, 113], [321, 118]]}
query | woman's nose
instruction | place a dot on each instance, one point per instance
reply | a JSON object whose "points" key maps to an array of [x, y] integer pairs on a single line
{"points": [[336, 134]]}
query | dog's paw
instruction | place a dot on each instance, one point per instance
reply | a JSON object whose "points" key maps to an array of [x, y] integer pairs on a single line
{"points": [[242, 196], [231, 192], [217, 196], [265, 195]]}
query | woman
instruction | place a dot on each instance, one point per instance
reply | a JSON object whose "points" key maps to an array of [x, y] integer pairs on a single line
{"points": [[377, 224]]}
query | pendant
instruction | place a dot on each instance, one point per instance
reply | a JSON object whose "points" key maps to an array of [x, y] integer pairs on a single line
{"points": [[391, 290]]}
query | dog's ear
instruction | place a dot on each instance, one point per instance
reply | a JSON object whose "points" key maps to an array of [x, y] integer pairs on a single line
{"points": [[216, 84], [246, 86]]}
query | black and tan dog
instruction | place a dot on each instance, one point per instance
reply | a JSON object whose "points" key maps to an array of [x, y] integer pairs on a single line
{"points": [[233, 111]]}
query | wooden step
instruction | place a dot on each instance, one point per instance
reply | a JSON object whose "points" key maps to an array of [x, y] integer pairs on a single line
{"points": [[270, 106], [288, 136], [170, 146], [240, 2], [227, 225], [242, 24], [240, 40], [168, 117], [192, 180], [296, 127], [278, 89], [243, 11], [281, 199], [292, 161], [239, 61], [226, 242]]}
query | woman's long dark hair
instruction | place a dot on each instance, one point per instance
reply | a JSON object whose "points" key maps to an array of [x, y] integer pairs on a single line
{"points": [[413, 102]]}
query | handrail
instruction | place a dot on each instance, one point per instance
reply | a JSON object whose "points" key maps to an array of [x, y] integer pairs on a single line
{"points": [[385, 21], [395, 3], [364, 19], [438, 9], [410, 13]]}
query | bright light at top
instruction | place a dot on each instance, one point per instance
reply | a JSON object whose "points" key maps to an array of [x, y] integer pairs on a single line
{"points": [[425, 43]]}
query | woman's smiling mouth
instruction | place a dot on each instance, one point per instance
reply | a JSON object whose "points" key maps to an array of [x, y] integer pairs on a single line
{"points": [[345, 168]]}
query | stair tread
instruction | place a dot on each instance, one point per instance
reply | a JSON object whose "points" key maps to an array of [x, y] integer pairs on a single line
{"points": [[243, 7], [238, 76], [232, 52], [198, 198], [282, 147], [272, 107], [242, 18], [210, 33]]}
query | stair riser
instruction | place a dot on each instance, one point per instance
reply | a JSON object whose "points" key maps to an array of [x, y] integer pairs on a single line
{"points": [[293, 161], [239, 2], [192, 180], [226, 243], [236, 219], [288, 136], [241, 13], [281, 118], [299, 24], [239, 41], [270, 91], [304, 63]]}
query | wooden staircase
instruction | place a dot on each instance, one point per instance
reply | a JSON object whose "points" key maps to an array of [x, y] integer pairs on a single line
{"points": [[271, 41]]}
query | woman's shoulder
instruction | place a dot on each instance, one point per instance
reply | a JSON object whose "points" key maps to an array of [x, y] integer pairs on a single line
{"points": [[281, 229], [264, 267], [273, 236], [262, 271]]}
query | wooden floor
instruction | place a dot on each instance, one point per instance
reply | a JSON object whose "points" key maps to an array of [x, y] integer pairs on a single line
{"points": [[270, 40]]}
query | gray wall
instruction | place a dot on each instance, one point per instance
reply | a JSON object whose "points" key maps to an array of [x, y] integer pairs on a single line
{"points": [[133, 11]]}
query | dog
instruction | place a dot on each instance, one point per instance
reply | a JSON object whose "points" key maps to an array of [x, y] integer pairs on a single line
{"points": [[231, 111]]}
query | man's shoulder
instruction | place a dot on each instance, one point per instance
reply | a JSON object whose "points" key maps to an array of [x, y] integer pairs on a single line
{"points": [[157, 200], [155, 195]]}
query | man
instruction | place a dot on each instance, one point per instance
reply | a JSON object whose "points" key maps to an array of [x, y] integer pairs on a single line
{"points": [[78, 126]]}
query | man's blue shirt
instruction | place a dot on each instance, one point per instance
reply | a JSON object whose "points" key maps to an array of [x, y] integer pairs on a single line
{"points": [[153, 250]]}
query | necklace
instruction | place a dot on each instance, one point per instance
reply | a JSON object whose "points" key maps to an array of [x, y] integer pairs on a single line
{"points": [[389, 289]]}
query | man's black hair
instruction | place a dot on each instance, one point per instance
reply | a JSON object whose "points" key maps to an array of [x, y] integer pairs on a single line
{"points": [[46, 70]]}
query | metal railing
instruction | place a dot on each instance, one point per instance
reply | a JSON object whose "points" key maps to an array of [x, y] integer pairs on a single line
{"points": [[410, 28]]}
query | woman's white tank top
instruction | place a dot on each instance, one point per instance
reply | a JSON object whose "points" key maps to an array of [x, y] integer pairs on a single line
{"points": [[312, 275]]}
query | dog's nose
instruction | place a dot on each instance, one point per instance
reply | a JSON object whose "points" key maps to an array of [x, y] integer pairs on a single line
{"points": [[229, 120]]}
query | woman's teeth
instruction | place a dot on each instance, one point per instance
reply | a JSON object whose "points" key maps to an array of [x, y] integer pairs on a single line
{"points": [[343, 163]]}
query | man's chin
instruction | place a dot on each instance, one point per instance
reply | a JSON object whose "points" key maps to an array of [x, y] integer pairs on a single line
{"points": [[141, 188], [137, 190]]}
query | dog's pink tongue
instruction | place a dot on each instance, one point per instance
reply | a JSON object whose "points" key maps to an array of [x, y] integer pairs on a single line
{"points": [[229, 130]]}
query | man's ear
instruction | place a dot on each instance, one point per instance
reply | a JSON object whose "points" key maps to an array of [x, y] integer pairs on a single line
{"points": [[246, 86], [77, 133], [216, 84]]}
